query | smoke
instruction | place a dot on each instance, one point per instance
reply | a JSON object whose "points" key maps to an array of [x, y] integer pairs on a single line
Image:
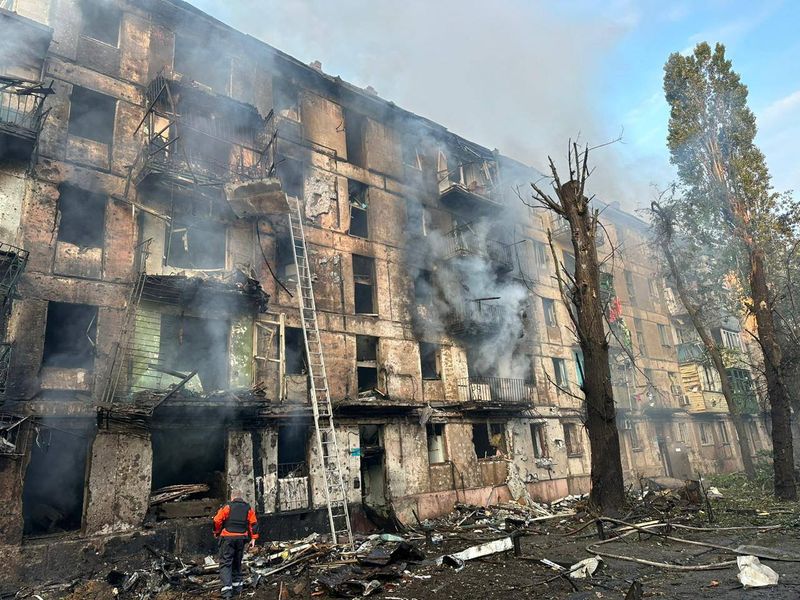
{"points": [[523, 77]]}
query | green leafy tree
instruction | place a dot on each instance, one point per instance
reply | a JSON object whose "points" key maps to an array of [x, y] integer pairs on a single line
{"points": [[726, 191]]}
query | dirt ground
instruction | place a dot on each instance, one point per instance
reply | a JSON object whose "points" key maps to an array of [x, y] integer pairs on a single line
{"points": [[504, 576]]}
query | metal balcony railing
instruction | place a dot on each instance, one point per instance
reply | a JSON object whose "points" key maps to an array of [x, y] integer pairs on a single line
{"points": [[496, 391], [22, 106], [464, 242], [691, 352], [560, 229], [12, 263], [5, 365], [475, 317]]}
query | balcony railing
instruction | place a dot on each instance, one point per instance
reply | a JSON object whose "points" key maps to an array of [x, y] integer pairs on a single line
{"points": [[463, 242], [12, 263], [500, 391], [560, 229], [5, 365], [690, 352], [22, 106], [470, 187], [475, 317]]}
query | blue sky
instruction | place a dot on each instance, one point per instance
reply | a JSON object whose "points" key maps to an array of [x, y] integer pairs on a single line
{"points": [[525, 75]]}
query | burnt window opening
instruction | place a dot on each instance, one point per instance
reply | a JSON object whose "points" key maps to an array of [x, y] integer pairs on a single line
{"points": [[195, 245], [430, 359], [284, 258], [358, 195], [412, 157], [417, 218], [364, 284], [81, 217], [52, 496], [630, 286], [200, 61], [367, 362], [560, 371], [292, 447], [70, 336], [101, 21], [423, 288], [549, 306], [295, 351], [286, 99], [355, 126], [488, 439], [572, 439], [291, 175], [189, 455], [437, 452], [191, 344], [539, 439], [636, 440], [706, 438], [91, 115]]}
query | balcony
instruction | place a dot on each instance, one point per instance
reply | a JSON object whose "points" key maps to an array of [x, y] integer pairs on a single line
{"points": [[560, 229], [5, 365], [200, 140], [463, 242], [496, 392], [691, 352], [470, 188], [475, 318], [21, 115]]}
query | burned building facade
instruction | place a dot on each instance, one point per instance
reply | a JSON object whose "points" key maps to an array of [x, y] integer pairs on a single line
{"points": [[153, 335]]}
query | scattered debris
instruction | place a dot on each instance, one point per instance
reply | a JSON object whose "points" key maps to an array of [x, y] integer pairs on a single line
{"points": [[585, 568], [176, 492], [753, 574]]}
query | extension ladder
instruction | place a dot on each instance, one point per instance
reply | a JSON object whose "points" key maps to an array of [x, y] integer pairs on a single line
{"points": [[327, 447]]}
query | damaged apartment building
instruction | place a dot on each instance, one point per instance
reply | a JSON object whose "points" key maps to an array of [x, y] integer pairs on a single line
{"points": [[171, 193]]}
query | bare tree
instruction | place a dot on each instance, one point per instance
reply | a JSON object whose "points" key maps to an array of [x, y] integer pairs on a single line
{"points": [[581, 293], [664, 227]]}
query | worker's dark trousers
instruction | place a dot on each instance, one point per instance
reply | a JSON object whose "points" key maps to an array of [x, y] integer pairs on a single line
{"points": [[230, 564]]}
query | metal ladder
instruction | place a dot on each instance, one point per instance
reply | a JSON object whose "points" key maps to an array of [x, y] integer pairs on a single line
{"points": [[327, 447], [128, 324]]}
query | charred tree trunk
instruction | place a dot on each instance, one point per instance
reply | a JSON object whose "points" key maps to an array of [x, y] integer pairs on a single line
{"points": [[779, 398], [607, 491], [666, 227]]}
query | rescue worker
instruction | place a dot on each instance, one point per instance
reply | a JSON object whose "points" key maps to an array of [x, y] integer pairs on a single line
{"points": [[234, 524]]}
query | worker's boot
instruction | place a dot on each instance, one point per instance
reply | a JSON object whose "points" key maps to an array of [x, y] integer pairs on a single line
{"points": [[227, 593], [238, 586]]}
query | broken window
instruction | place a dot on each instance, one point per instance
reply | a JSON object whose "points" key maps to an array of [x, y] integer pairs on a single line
{"points": [[91, 115], [723, 433], [286, 99], [101, 21], [639, 328], [541, 254], [549, 306], [706, 438], [81, 217], [560, 371], [295, 351], [367, 362], [191, 344], [291, 173], [52, 496], [539, 438], [636, 442], [411, 154], [195, 245], [197, 60], [631, 287], [292, 446], [364, 283], [579, 367], [572, 439], [357, 193], [664, 336], [681, 434], [69, 337], [423, 288], [429, 355], [189, 455], [355, 125], [710, 376], [436, 447], [489, 439], [569, 263]]}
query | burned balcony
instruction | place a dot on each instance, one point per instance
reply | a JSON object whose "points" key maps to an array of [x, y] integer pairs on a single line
{"points": [[560, 229], [21, 116], [471, 185], [463, 241], [691, 352], [5, 365], [496, 392], [475, 317], [200, 140]]}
